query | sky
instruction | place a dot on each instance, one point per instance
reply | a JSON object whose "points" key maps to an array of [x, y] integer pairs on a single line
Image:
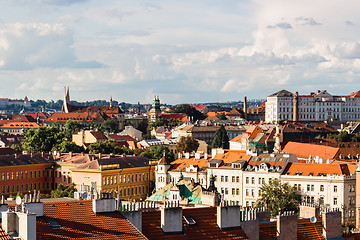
{"points": [[188, 51]]}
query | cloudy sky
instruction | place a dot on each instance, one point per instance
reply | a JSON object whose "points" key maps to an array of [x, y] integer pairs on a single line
{"points": [[183, 51]]}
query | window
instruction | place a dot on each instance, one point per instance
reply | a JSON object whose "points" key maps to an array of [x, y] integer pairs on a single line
{"points": [[252, 192], [335, 201], [308, 187], [335, 188], [233, 191], [247, 180], [253, 180], [321, 188], [237, 191], [226, 191], [247, 192], [233, 179], [222, 178], [237, 178], [312, 187], [226, 178]]}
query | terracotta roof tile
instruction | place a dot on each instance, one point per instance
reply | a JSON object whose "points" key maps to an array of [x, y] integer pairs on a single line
{"points": [[79, 222], [205, 228], [304, 150], [316, 169]]}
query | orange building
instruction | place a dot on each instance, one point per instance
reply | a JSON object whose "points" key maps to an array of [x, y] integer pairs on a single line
{"points": [[24, 173]]}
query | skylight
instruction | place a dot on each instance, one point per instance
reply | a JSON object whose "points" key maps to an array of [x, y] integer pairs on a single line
{"points": [[53, 223], [189, 220]]}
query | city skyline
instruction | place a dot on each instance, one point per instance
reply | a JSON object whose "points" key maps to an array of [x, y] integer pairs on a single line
{"points": [[186, 52]]}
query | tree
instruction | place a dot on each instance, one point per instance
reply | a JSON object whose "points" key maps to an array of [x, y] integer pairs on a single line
{"points": [[187, 144], [157, 152], [64, 191], [72, 126], [43, 139], [189, 111], [107, 147], [110, 125], [221, 139], [66, 147], [221, 116], [278, 197]]}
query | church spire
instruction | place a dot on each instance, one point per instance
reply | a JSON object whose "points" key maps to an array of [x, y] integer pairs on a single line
{"points": [[111, 102]]}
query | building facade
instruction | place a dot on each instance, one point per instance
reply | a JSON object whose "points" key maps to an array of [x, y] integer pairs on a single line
{"points": [[317, 106]]}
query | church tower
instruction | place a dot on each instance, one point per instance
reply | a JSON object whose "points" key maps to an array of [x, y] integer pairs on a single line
{"points": [[111, 102], [66, 101], [155, 110]]}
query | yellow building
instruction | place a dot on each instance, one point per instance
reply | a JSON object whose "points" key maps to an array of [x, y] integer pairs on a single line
{"points": [[132, 177], [84, 138]]}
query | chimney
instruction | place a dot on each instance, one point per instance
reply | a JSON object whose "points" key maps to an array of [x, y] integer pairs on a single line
{"points": [[197, 155], [132, 212], [187, 155], [296, 107], [228, 215], [245, 108], [309, 210], [22, 224], [171, 217], [106, 203], [205, 156], [286, 226], [332, 225], [250, 221], [33, 204], [99, 155], [70, 154]]}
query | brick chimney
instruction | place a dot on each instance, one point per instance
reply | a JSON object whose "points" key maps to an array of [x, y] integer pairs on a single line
{"points": [[171, 217], [296, 107], [228, 215], [286, 226], [332, 224]]}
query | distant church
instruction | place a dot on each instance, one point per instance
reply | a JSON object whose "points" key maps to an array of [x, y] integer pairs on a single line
{"points": [[110, 111]]}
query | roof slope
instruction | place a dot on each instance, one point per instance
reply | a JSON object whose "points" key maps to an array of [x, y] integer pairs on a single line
{"points": [[205, 227], [304, 150], [79, 222], [282, 93]]}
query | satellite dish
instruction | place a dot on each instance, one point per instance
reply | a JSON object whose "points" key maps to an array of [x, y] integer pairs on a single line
{"points": [[18, 200], [313, 219]]}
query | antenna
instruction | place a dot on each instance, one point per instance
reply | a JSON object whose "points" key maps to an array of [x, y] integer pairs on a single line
{"points": [[18, 200], [313, 219]]}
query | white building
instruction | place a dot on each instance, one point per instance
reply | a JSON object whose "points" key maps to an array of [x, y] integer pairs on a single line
{"points": [[318, 106], [328, 185]]}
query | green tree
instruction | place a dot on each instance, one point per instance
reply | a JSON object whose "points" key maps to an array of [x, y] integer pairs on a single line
{"points": [[189, 111], [221, 139], [278, 197], [187, 144], [42, 140], [66, 147], [17, 147], [70, 127], [221, 116], [107, 147], [63, 191], [110, 125], [157, 152]]}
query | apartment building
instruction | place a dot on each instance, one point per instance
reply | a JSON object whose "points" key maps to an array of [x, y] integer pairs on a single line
{"points": [[316, 106]]}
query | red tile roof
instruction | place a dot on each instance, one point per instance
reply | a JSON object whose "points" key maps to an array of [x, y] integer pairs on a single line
{"points": [[176, 116], [79, 222], [304, 150], [205, 228], [314, 169], [121, 137], [78, 116], [99, 135], [21, 125]]}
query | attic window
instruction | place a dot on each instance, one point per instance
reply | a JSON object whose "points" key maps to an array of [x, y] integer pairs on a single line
{"points": [[298, 173], [189, 220], [321, 174], [311, 174], [288, 173], [227, 164], [53, 223]]}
